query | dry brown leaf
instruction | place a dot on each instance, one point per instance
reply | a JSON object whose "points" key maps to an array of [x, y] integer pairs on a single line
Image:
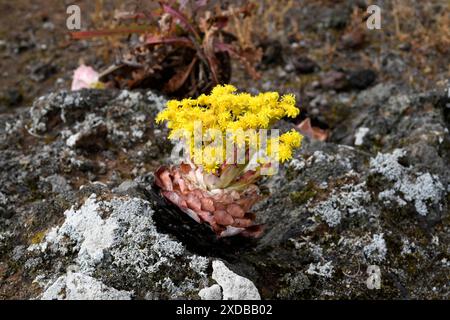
{"points": [[177, 81], [314, 133]]}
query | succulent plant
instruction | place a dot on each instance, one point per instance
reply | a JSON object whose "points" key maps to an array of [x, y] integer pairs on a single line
{"points": [[212, 184], [210, 198]]}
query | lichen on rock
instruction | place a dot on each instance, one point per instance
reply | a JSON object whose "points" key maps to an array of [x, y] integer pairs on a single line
{"points": [[97, 228], [347, 201], [120, 234], [423, 189]]}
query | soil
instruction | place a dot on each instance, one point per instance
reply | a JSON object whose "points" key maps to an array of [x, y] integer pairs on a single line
{"points": [[302, 41]]}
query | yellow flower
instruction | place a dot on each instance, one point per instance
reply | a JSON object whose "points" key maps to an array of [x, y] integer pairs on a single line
{"points": [[284, 152], [226, 109], [292, 138]]}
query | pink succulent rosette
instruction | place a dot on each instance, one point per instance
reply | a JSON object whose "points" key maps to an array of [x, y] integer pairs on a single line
{"points": [[222, 200], [84, 77]]}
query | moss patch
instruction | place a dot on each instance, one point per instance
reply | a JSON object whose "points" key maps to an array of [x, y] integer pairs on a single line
{"points": [[301, 197], [38, 237]]}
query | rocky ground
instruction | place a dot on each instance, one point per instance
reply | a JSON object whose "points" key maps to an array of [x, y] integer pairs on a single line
{"points": [[80, 217]]}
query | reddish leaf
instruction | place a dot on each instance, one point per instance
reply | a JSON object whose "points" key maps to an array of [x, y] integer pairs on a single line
{"points": [[314, 133], [220, 22], [182, 18]]}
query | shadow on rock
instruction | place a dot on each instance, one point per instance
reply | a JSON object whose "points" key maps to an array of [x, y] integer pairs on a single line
{"points": [[198, 238]]}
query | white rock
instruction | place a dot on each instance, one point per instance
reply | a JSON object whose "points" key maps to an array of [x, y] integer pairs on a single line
{"points": [[234, 286], [73, 139], [211, 293], [78, 286], [359, 135]]}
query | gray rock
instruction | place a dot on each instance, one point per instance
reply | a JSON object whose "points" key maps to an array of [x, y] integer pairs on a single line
{"points": [[120, 235], [59, 183], [90, 224], [5, 212], [3, 199], [91, 134], [127, 186]]}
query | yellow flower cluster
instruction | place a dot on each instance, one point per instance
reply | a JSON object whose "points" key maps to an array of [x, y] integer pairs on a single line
{"points": [[226, 111]]}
